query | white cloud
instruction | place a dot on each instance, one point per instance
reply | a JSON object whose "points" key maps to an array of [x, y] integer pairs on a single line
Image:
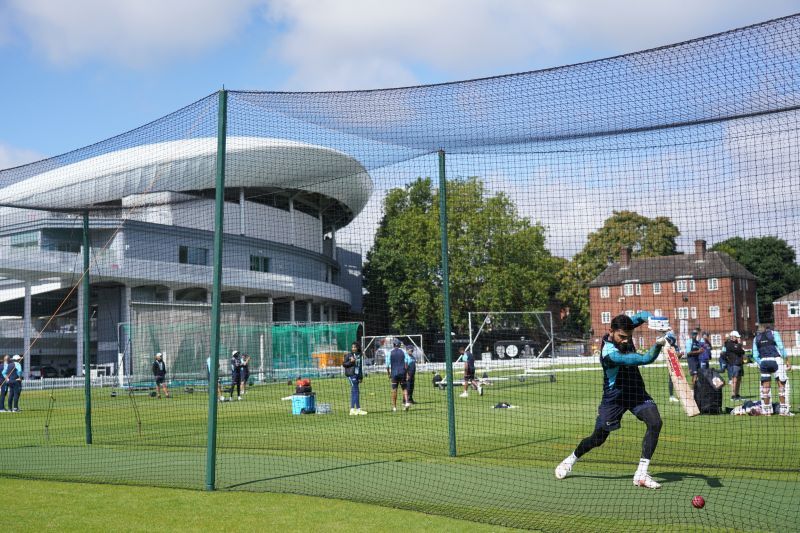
{"points": [[346, 44], [132, 32], [11, 156]]}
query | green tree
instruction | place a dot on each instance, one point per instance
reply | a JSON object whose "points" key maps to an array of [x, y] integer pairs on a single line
{"points": [[647, 237], [772, 261], [497, 259]]}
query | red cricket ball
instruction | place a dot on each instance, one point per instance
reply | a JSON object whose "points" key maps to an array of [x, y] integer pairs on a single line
{"points": [[698, 502]]}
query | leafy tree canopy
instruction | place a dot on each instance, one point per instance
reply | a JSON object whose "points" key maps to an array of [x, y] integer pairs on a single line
{"points": [[772, 261], [497, 259]]}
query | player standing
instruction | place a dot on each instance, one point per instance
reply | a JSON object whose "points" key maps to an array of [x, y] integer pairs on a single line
{"points": [[468, 359], [397, 367], [236, 374], [624, 390], [160, 373], [245, 371], [769, 353]]}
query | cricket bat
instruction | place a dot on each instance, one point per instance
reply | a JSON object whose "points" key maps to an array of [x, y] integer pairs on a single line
{"points": [[682, 389]]}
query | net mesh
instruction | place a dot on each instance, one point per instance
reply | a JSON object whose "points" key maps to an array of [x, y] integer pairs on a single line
{"points": [[665, 181]]}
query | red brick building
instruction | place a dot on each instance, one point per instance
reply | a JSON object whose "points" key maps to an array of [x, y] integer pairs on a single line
{"points": [[786, 311], [706, 290]]}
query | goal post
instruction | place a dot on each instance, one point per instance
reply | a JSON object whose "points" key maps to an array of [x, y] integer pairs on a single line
{"points": [[375, 347], [512, 334]]}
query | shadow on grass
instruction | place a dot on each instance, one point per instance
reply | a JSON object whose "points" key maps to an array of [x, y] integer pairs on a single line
{"points": [[307, 472], [663, 477]]}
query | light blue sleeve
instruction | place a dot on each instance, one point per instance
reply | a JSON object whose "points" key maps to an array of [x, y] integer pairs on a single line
{"points": [[388, 358], [756, 355], [409, 359], [688, 347], [611, 353], [5, 370], [640, 318], [779, 343]]}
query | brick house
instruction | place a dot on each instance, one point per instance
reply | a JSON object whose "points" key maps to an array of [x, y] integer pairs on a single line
{"points": [[786, 311], [707, 290]]}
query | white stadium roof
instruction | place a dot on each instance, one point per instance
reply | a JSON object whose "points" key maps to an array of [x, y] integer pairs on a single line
{"points": [[189, 165]]}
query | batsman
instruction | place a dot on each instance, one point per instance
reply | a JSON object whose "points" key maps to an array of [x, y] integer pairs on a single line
{"points": [[623, 390]]}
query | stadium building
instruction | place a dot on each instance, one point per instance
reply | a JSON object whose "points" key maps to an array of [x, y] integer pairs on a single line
{"points": [[151, 234]]}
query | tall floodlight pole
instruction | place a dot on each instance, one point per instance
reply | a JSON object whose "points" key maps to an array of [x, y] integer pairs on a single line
{"points": [[216, 293], [87, 377], [448, 341]]}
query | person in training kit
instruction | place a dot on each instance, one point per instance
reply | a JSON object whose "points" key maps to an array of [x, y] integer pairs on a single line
{"points": [[468, 359], [411, 362], [693, 350], [624, 390], [236, 374], [396, 368], [160, 373], [734, 362], [13, 379], [354, 373], [769, 353], [5, 368]]}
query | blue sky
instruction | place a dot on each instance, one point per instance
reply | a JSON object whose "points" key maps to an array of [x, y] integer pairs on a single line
{"points": [[77, 72]]}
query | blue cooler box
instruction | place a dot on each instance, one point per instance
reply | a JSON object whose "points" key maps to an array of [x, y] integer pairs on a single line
{"points": [[302, 404]]}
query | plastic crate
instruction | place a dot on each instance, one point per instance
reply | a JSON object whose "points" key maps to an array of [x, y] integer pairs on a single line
{"points": [[302, 404]]}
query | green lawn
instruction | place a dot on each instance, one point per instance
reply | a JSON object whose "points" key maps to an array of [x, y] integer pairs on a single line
{"points": [[503, 473]]}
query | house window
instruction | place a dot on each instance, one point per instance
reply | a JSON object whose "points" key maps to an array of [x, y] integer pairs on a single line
{"points": [[638, 289], [747, 308], [797, 338], [656, 288], [191, 255], [713, 311], [681, 285], [693, 312], [713, 284], [683, 313], [627, 289], [658, 312], [605, 292], [691, 285], [794, 309], [716, 339], [605, 317], [259, 263]]}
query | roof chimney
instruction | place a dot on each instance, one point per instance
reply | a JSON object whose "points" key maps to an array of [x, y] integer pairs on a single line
{"points": [[700, 250], [625, 257]]}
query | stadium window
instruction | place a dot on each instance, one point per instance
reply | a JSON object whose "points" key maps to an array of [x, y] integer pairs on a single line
{"points": [[691, 285], [259, 263], [656, 288], [716, 339], [605, 292], [713, 284], [683, 313], [24, 240], [713, 311], [191, 255], [627, 289], [638, 289], [693, 312], [681, 286], [605, 317], [794, 309]]}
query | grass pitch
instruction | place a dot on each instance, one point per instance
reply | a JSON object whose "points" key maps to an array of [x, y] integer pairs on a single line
{"points": [[503, 472]]}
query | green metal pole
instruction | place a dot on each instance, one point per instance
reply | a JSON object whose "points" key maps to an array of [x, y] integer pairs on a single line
{"points": [[448, 341], [216, 294], [87, 374]]}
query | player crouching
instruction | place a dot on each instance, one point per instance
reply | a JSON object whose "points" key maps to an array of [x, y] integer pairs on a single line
{"points": [[623, 390]]}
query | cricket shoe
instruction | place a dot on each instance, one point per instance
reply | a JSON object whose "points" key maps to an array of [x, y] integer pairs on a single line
{"points": [[464, 394], [394, 409], [646, 481], [406, 406], [353, 412], [564, 468], [673, 399], [360, 412], [480, 390]]}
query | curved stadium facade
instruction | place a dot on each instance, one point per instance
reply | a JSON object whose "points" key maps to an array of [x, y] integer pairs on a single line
{"points": [[151, 234]]}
